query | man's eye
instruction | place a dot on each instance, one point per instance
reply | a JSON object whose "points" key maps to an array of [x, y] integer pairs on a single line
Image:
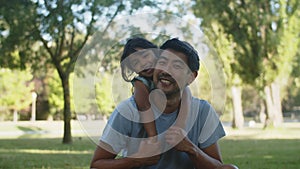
{"points": [[177, 66], [146, 55]]}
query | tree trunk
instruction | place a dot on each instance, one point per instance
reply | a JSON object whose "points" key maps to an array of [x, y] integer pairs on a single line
{"points": [[67, 110], [16, 116], [105, 119], [273, 104], [42, 102], [269, 106], [238, 118], [277, 104], [262, 113]]}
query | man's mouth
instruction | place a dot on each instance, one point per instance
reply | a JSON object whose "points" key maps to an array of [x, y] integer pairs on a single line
{"points": [[166, 80]]}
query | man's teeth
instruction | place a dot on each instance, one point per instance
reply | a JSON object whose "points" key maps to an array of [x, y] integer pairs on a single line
{"points": [[167, 82]]}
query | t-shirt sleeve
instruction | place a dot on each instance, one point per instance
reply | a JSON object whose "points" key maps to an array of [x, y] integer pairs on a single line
{"points": [[211, 129], [116, 131], [217, 134]]}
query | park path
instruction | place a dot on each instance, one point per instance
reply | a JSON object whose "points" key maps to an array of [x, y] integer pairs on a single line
{"points": [[9, 129]]}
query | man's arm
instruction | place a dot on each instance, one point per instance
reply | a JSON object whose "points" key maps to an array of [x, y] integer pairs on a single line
{"points": [[209, 157], [105, 159], [214, 158]]}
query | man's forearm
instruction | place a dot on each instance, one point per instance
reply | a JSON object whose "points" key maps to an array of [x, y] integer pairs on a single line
{"points": [[200, 159], [125, 163], [122, 163]]}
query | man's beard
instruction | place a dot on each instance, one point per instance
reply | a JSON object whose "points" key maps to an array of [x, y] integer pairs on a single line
{"points": [[172, 94]]}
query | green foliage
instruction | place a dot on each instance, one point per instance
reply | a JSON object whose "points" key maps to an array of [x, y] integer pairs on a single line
{"points": [[291, 101], [265, 39], [261, 31], [55, 32], [85, 98], [16, 33], [104, 95], [288, 49], [15, 89], [251, 101], [292, 94], [56, 100]]}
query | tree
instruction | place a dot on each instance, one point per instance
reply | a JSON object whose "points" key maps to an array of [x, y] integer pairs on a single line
{"points": [[15, 88], [60, 29], [224, 47], [266, 39], [105, 95], [292, 93], [55, 94]]}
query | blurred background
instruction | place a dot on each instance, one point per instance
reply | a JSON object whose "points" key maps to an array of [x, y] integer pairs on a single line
{"points": [[250, 73]]}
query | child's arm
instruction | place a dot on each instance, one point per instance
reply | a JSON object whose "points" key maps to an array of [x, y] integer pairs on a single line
{"points": [[184, 108], [141, 96]]}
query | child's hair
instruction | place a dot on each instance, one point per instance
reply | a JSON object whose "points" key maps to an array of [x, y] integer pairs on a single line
{"points": [[130, 48], [187, 49]]}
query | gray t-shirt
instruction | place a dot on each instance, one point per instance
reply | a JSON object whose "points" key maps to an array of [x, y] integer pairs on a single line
{"points": [[124, 132]]}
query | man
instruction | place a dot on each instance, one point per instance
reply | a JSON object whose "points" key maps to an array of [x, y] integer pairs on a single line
{"points": [[194, 146]]}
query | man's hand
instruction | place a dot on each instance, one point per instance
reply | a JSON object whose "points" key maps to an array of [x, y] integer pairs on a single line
{"points": [[148, 153], [145, 161], [176, 136]]}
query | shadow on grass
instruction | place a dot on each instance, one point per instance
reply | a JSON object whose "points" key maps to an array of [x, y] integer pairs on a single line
{"points": [[45, 153], [262, 153], [29, 129], [32, 132]]}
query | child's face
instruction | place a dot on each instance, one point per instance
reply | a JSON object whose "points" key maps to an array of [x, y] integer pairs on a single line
{"points": [[143, 62]]}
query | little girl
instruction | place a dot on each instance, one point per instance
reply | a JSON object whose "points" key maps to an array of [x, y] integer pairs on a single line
{"points": [[138, 69]]}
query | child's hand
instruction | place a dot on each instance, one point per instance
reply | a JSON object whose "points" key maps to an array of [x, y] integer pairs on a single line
{"points": [[148, 148], [176, 137]]}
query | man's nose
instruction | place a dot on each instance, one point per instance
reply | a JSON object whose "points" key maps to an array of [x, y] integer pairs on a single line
{"points": [[167, 69]]}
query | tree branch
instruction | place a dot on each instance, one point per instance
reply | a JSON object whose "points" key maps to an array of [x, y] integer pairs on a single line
{"points": [[89, 31], [48, 49], [113, 17], [72, 38]]}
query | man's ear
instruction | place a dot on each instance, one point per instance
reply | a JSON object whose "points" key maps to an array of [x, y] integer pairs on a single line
{"points": [[192, 77]]}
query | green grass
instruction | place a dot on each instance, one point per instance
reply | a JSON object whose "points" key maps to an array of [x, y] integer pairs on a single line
{"points": [[255, 148], [45, 153], [250, 148], [262, 154]]}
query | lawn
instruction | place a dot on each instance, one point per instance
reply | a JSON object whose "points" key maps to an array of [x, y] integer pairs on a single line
{"points": [[44, 153], [262, 154], [248, 148], [255, 148]]}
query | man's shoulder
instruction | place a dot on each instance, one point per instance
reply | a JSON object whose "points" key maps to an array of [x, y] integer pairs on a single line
{"points": [[200, 102], [126, 102], [128, 109], [201, 107]]}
